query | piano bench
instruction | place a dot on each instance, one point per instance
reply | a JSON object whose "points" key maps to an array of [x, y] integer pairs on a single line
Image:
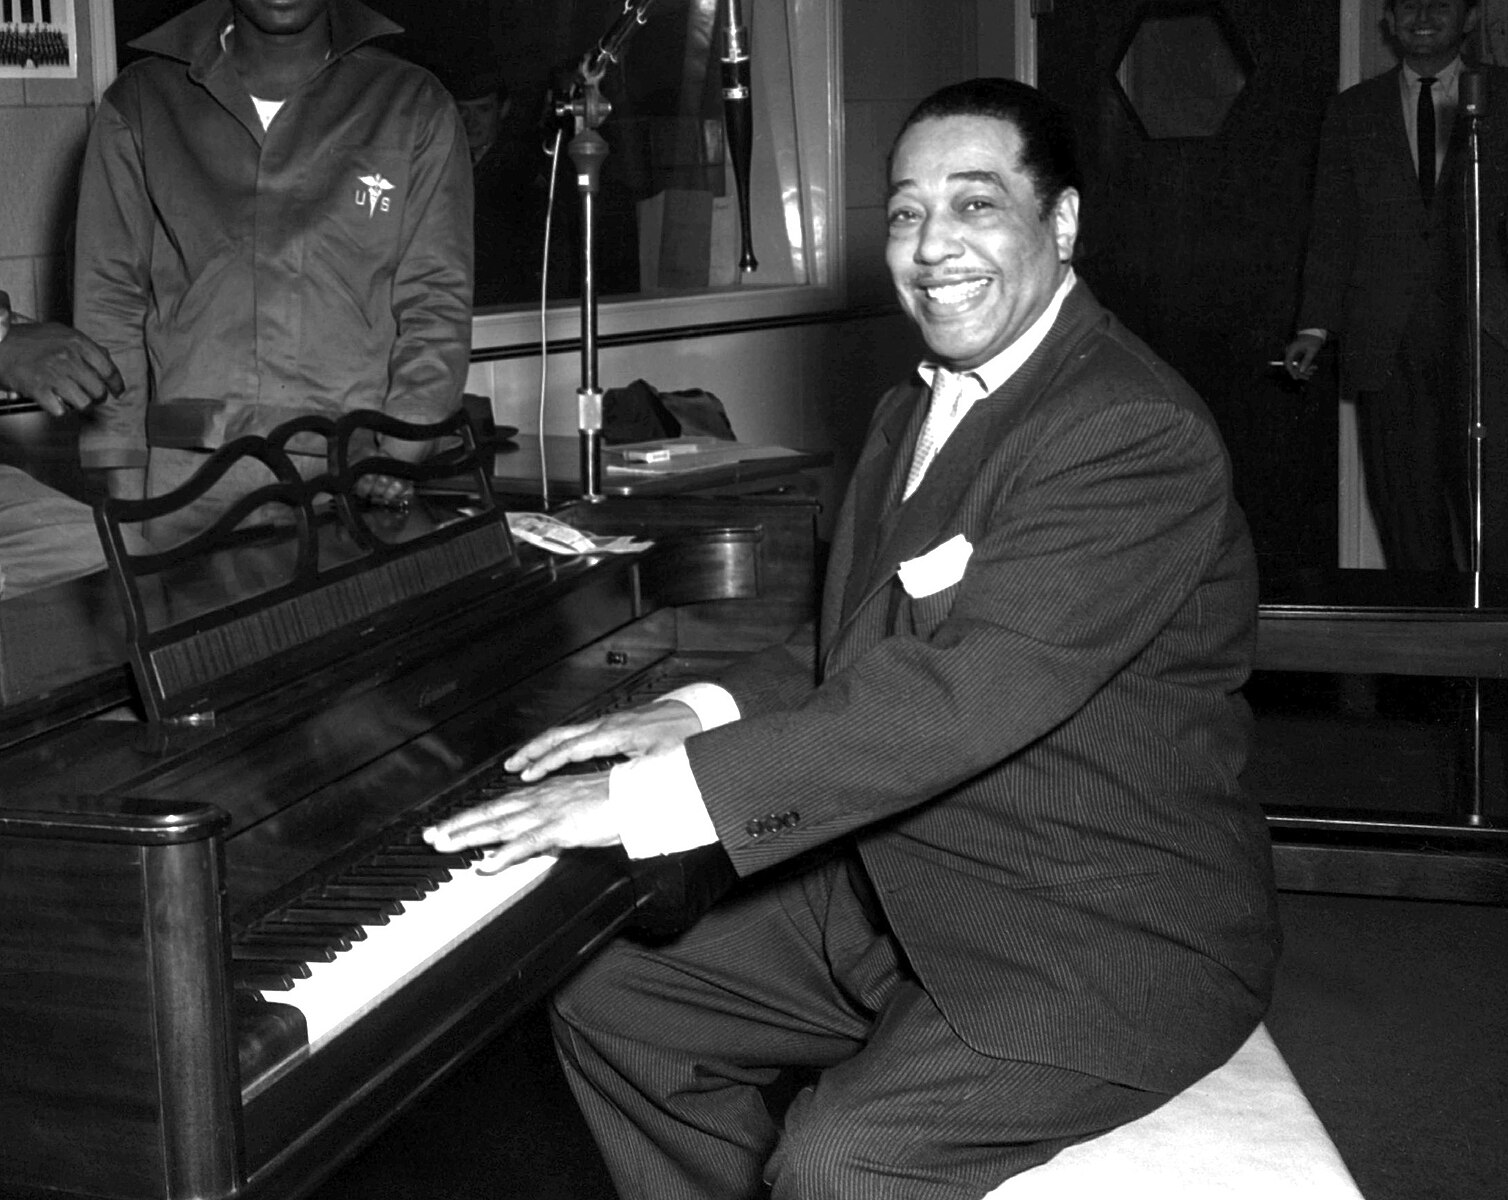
{"points": [[1243, 1132]]}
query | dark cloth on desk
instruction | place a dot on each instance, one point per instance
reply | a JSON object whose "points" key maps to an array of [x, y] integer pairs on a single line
{"points": [[1037, 766], [639, 412]]}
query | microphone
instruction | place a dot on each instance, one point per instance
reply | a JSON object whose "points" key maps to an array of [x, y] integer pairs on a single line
{"points": [[738, 119], [1473, 90]]}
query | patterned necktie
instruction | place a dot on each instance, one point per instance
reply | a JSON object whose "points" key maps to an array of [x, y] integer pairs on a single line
{"points": [[942, 410], [1425, 136]]}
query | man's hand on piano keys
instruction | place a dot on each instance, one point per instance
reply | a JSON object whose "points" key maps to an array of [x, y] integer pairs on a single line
{"points": [[567, 812], [660, 725]]}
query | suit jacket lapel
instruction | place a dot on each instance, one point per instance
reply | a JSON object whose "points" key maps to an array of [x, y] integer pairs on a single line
{"points": [[1389, 98], [882, 544], [957, 465], [874, 481]]}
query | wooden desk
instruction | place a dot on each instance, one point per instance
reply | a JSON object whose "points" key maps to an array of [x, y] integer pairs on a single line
{"points": [[1448, 837]]}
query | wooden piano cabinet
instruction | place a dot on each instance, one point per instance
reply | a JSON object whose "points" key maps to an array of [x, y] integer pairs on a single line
{"points": [[162, 828], [142, 861], [1400, 797], [115, 1075]]}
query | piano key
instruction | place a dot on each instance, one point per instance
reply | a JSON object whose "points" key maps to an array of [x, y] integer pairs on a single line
{"points": [[255, 979], [381, 895], [394, 876], [335, 994], [408, 859], [267, 973], [285, 934], [355, 912], [290, 952], [315, 930]]}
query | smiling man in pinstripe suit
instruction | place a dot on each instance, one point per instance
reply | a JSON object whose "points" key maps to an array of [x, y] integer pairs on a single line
{"points": [[997, 881]]}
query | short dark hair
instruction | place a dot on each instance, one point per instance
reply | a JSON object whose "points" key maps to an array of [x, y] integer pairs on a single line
{"points": [[1049, 154]]}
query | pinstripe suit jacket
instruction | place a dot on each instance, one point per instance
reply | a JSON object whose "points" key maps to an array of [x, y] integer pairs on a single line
{"points": [[1038, 764], [1374, 247]]}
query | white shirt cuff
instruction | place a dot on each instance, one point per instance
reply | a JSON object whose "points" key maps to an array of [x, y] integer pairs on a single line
{"points": [[713, 705], [657, 804]]}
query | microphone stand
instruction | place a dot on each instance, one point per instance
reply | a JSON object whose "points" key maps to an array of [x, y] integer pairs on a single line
{"points": [[582, 111], [738, 119], [1471, 107], [1473, 104]]}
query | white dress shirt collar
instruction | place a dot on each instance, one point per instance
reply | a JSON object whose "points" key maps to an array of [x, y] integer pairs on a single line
{"points": [[1445, 79], [990, 376]]}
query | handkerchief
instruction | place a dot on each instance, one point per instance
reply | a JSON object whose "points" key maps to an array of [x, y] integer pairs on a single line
{"points": [[937, 569]]}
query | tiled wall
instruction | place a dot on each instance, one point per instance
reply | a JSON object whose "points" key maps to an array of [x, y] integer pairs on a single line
{"points": [[43, 124], [894, 53]]}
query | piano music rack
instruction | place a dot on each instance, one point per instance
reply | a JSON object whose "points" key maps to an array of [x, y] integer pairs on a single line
{"points": [[329, 579]]}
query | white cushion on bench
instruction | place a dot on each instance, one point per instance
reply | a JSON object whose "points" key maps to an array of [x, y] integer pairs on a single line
{"points": [[1243, 1132]]}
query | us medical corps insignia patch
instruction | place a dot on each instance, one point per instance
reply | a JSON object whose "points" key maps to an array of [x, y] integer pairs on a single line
{"points": [[374, 198]]}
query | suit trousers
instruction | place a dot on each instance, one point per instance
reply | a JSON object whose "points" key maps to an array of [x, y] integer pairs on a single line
{"points": [[673, 1053], [1416, 448], [1413, 446]]}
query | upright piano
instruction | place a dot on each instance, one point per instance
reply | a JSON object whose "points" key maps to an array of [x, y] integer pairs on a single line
{"points": [[226, 957]]}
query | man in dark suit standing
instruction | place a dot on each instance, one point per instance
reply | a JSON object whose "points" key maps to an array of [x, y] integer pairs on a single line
{"points": [[1387, 275], [998, 883]]}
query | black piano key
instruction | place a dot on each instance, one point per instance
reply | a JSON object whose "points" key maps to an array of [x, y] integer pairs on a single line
{"points": [[258, 977], [415, 839], [394, 877], [283, 934], [423, 862], [314, 928], [341, 913], [411, 871], [430, 867], [300, 952], [383, 895], [272, 967]]}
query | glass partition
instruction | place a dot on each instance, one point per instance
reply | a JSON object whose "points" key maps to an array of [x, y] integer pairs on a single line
{"points": [[668, 213]]}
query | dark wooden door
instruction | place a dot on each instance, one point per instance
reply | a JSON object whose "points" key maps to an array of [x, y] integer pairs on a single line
{"points": [[1198, 175]]}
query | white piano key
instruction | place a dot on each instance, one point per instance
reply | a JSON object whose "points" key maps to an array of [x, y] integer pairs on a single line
{"points": [[337, 993]]}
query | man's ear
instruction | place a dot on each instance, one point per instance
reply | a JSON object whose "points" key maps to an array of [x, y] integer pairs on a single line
{"points": [[1065, 223]]}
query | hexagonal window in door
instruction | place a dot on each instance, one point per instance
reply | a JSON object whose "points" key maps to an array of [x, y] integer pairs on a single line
{"points": [[1182, 68]]}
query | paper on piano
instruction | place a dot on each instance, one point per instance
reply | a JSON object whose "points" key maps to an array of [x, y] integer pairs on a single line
{"points": [[675, 456], [559, 538]]}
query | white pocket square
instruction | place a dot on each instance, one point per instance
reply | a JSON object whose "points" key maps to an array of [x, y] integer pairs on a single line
{"points": [[937, 569]]}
